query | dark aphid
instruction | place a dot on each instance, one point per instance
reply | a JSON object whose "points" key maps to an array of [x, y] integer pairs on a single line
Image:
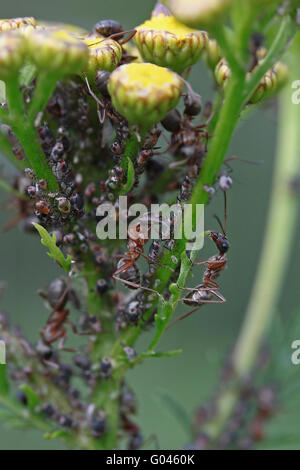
{"points": [[101, 82], [154, 169], [43, 184], [98, 425], [46, 138], [67, 422], [49, 410], [133, 312], [44, 350], [116, 148], [192, 104], [83, 362], [154, 251], [105, 368], [31, 191], [21, 397], [107, 27], [172, 121], [57, 151], [77, 202], [102, 286]]}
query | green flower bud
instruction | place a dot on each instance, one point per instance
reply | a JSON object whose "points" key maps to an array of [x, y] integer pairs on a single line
{"points": [[16, 23], [222, 72], [12, 53], [144, 93], [213, 54], [282, 72], [267, 84], [198, 13], [56, 50], [104, 54], [166, 42]]}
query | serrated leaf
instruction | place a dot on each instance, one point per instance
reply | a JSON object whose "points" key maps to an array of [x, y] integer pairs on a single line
{"points": [[130, 177], [4, 386], [32, 397], [56, 434], [54, 251]]}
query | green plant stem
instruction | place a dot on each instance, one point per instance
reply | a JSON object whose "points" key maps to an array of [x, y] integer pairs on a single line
{"points": [[277, 246], [46, 83]]}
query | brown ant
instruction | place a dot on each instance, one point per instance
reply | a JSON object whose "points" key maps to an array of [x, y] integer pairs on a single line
{"points": [[127, 263], [55, 326], [204, 292]]}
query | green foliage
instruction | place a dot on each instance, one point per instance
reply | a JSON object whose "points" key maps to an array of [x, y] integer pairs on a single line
{"points": [[32, 399], [4, 386], [54, 251]]}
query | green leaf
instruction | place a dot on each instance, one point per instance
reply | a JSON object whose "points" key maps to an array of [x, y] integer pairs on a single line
{"points": [[130, 176], [54, 251], [4, 386], [173, 353], [32, 397], [56, 434], [177, 410]]}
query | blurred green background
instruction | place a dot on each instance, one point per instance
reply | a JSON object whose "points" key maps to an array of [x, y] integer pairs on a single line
{"points": [[208, 335]]}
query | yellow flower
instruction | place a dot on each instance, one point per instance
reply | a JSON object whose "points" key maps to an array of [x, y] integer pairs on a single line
{"points": [[144, 93], [166, 42], [104, 54], [56, 50], [16, 23]]}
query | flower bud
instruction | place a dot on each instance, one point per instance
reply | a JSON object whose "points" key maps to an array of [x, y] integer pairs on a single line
{"points": [[166, 42], [198, 13], [144, 93], [56, 50], [282, 72], [16, 23], [222, 72], [213, 54], [12, 53], [104, 54], [267, 84]]}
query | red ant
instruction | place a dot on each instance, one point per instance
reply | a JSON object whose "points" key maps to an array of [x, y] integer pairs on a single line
{"points": [[58, 318], [204, 292], [127, 264]]}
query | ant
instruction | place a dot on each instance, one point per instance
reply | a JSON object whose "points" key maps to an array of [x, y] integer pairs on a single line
{"points": [[137, 238], [60, 293], [204, 292]]}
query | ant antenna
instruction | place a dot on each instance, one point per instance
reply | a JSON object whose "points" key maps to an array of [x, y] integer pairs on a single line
{"points": [[225, 216]]}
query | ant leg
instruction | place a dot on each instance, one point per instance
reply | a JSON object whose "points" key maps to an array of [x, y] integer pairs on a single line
{"points": [[101, 116], [130, 32], [155, 262], [62, 342], [186, 315], [138, 286]]}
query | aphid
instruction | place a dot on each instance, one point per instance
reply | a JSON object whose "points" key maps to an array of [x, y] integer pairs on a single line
{"points": [[98, 425], [225, 181], [43, 208], [105, 368], [102, 286], [83, 362], [64, 205], [101, 81], [133, 312]]}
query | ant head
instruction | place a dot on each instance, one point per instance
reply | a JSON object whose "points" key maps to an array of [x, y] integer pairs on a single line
{"points": [[221, 241]]}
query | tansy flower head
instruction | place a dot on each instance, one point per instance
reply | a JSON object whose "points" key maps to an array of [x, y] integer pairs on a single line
{"points": [[166, 42], [12, 52], [144, 93], [16, 23], [104, 54], [57, 50]]}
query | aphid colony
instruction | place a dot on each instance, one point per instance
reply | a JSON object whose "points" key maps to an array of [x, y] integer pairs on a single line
{"points": [[84, 139]]}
